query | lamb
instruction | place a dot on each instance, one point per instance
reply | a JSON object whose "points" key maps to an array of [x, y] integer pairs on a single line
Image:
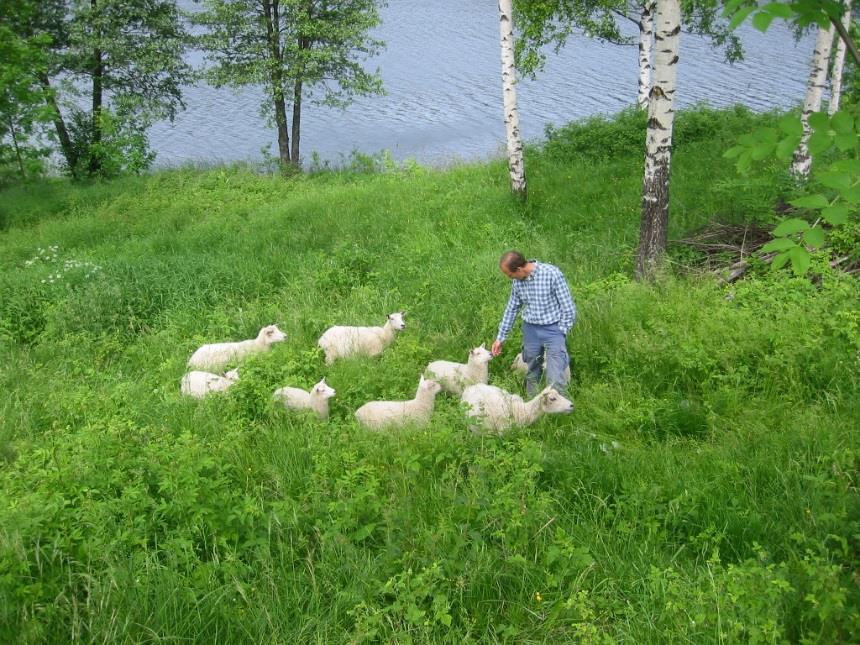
{"points": [[519, 365], [297, 399], [454, 377], [377, 415], [218, 355], [341, 342], [499, 410], [199, 384]]}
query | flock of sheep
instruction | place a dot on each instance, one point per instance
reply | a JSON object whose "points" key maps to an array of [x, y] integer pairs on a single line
{"points": [[490, 406]]}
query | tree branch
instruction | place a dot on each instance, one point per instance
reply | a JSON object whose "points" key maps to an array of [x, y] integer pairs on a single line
{"points": [[843, 33]]}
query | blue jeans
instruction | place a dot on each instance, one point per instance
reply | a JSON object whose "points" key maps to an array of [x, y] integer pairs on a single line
{"points": [[540, 340]]}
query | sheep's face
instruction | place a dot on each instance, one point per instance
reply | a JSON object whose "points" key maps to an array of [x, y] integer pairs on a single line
{"points": [[396, 321], [271, 334], [426, 385], [480, 355], [232, 375], [552, 402], [323, 390]]}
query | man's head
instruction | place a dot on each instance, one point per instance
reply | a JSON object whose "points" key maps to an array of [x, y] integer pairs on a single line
{"points": [[514, 265]]}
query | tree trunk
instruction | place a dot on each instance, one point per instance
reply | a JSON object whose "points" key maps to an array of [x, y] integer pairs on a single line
{"points": [[812, 103], [276, 78], [60, 126], [646, 46], [838, 64], [297, 120], [658, 153], [17, 149], [95, 155], [516, 165]]}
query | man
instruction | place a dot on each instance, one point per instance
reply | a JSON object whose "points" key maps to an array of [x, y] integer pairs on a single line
{"points": [[548, 314]]}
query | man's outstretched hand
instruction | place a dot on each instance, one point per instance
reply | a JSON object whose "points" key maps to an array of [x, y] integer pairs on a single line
{"points": [[496, 349]]}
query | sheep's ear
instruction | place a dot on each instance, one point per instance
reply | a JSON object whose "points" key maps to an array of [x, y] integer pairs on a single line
{"points": [[482, 346], [421, 380]]}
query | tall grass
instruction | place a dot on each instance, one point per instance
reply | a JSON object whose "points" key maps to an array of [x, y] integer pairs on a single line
{"points": [[704, 490]]}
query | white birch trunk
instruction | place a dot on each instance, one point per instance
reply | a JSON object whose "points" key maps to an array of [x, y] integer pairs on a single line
{"points": [[838, 64], [646, 47], [658, 152], [516, 164], [802, 161]]}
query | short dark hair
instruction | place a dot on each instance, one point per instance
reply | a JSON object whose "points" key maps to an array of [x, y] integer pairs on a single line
{"points": [[512, 260]]}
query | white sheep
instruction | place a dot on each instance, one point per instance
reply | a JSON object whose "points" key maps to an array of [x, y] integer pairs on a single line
{"points": [[341, 342], [217, 355], [199, 384], [381, 414], [297, 399], [498, 410], [519, 365], [454, 377]]}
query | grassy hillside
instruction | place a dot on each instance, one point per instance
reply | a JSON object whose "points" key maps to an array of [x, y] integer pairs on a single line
{"points": [[704, 490]]}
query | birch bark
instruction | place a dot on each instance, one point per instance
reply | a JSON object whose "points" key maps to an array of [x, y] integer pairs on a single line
{"points": [[658, 152], [802, 161], [838, 65], [516, 165], [646, 47]]}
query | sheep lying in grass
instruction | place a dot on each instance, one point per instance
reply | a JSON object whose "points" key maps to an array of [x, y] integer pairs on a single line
{"points": [[454, 377], [297, 399], [498, 410], [341, 342], [519, 365], [199, 384], [218, 355], [385, 414]]}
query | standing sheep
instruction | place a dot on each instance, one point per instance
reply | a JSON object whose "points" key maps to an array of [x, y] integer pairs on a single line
{"points": [[199, 384], [297, 399], [454, 377], [341, 341], [217, 355], [381, 414], [498, 410]]}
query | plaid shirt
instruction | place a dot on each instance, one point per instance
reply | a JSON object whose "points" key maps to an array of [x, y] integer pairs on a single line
{"points": [[546, 299]]}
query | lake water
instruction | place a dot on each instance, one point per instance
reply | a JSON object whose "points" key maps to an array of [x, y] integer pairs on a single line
{"points": [[442, 73]]}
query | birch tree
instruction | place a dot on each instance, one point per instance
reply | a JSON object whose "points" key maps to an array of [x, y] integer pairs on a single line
{"points": [[802, 160], [658, 154], [299, 51], [838, 64], [646, 46], [516, 166]]}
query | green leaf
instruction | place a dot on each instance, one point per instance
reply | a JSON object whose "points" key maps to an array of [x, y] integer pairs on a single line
{"points": [[819, 120], [733, 152], [846, 142], [851, 195], [779, 244], [814, 237], [838, 180], [785, 148], [842, 122], [791, 124], [790, 226], [836, 215], [808, 201], [762, 20], [779, 9], [740, 16], [730, 7], [847, 165], [800, 260], [819, 142], [762, 150], [744, 163], [779, 261]]}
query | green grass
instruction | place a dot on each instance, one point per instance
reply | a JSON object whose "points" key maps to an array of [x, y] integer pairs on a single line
{"points": [[704, 490]]}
